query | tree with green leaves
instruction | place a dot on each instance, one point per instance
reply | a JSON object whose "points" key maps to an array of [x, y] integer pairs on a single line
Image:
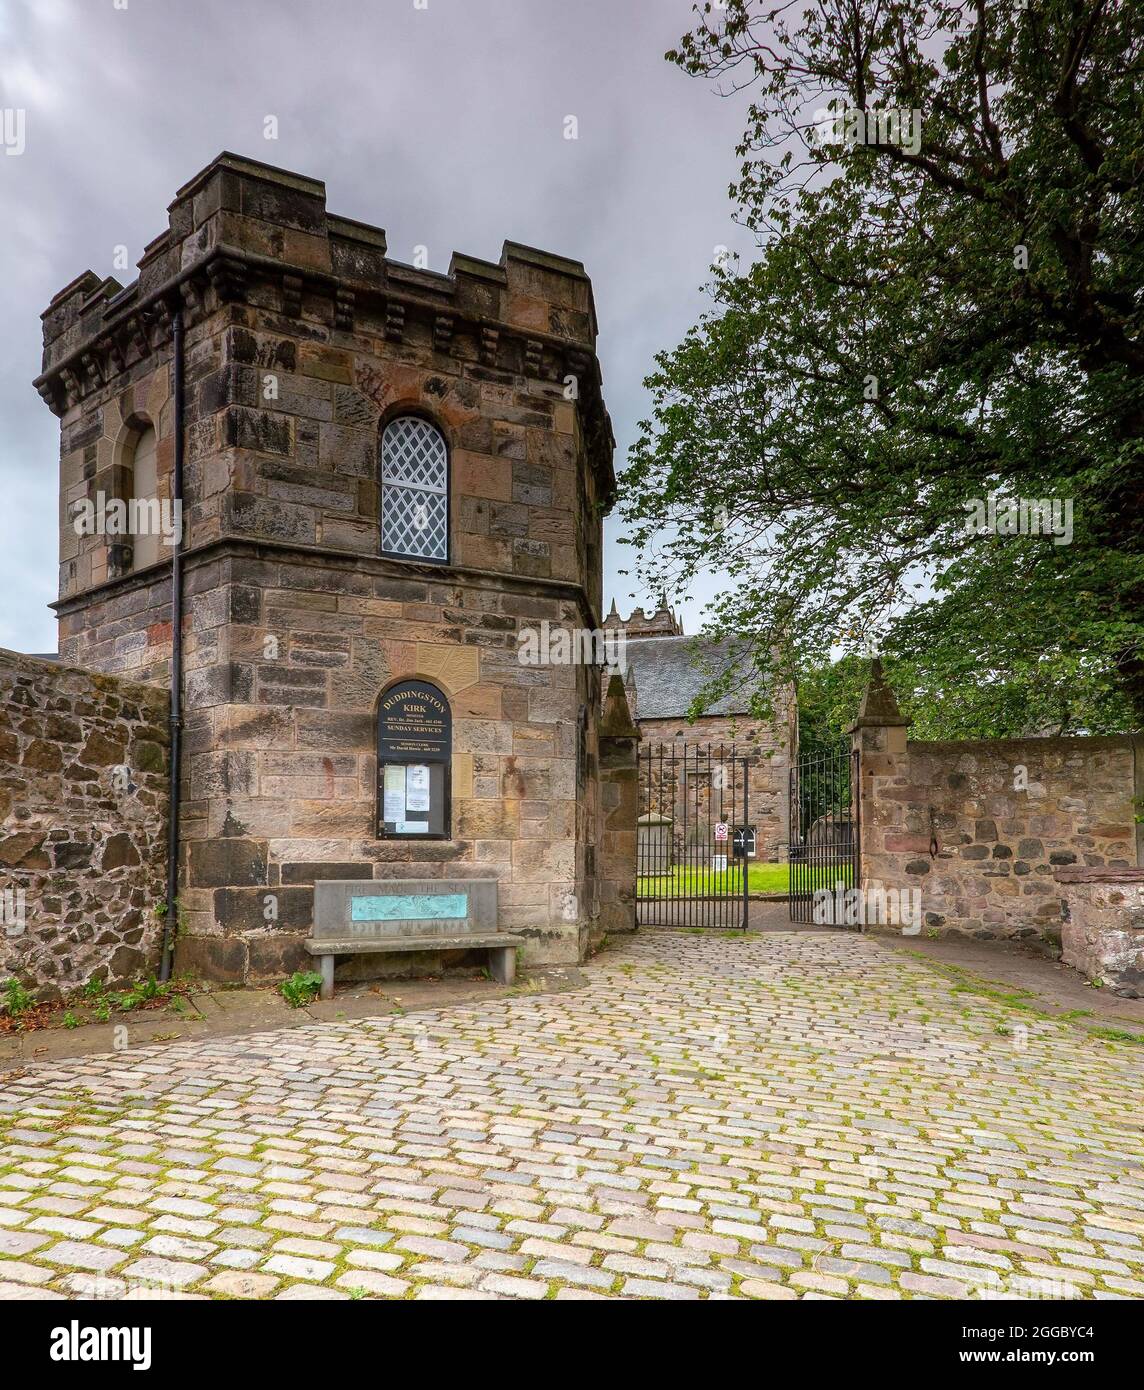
{"points": [[944, 313]]}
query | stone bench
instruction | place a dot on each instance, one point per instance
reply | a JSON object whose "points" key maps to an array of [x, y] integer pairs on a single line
{"points": [[370, 917]]}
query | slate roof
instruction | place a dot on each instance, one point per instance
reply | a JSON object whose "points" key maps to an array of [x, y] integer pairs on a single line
{"points": [[669, 672]]}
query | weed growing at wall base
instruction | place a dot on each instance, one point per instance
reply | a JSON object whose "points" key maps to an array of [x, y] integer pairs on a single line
{"points": [[301, 988]]}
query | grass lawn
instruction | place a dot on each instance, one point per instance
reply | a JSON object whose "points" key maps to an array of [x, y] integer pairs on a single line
{"points": [[689, 879], [761, 878]]}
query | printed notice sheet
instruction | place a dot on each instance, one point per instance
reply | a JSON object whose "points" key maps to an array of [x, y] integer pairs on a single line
{"points": [[393, 799], [417, 787]]}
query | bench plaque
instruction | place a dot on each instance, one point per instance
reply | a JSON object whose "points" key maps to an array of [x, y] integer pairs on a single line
{"points": [[356, 916], [414, 907]]}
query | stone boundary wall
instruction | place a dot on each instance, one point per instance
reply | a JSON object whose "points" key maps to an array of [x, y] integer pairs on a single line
{"points": [[1005, 814], [83, 825]]}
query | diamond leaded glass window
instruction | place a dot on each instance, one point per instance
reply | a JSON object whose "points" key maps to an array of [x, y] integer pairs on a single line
{"points": [[414, 490]]}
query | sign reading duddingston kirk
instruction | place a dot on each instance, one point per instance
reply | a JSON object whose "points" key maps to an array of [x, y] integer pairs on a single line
{"points": [[414, 735]]}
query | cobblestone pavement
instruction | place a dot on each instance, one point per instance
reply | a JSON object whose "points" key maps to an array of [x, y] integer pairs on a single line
{"points": [[774, 1116]]}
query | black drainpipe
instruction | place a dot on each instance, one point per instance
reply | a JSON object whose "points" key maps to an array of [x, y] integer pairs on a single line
{"points": [[170, 919]]}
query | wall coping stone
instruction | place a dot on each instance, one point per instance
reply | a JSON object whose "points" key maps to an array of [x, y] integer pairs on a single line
{"points": [[989, 745], [138, 690]]}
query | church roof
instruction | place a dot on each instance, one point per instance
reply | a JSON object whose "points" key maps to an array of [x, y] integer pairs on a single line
{"points": [[669, 672]]}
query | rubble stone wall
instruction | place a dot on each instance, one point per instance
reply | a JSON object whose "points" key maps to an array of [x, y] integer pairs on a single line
{"points": [[1002, 815], [83, 825]]}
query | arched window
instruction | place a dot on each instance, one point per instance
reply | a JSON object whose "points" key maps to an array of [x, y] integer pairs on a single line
{"points": [[414, 747], [142, 500], [414, 490]]}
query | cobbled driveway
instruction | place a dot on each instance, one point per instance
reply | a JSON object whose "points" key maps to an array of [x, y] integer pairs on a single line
{"points": [[776, 1116]]}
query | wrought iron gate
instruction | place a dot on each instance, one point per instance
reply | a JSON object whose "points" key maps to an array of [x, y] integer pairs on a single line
{"points": [[693, 836], [825, 834]]}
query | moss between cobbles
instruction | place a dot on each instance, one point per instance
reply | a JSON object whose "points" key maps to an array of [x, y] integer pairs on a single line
{"points": [[969, 983], [409, 1271], [1116, 1035]]}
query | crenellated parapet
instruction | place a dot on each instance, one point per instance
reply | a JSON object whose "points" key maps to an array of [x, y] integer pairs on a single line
{"points": [[303, 339], [248, 235]]}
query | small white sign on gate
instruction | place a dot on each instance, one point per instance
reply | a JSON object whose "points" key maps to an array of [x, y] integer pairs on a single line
{"points": [[721, 830]]}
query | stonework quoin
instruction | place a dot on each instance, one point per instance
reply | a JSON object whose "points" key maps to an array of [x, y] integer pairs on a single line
{"points": [[305, 343], [83, 825]]}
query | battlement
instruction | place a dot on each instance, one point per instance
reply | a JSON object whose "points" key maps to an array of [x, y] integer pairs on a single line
{"points": [[303, 340], [661, 623], [244, 232]]}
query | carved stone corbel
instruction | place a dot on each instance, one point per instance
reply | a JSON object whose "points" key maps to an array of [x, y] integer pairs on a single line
{"points": [[579, 365], [52, 396], [292, 296], [227, 277], [344, 310], [159, 323], [394, 321], [116, 354], [92, 370], [443, 332], [194, 299], [137, 333]]}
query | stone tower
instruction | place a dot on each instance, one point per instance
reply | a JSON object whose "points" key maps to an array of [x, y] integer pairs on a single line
{"points": [[317, 573]]}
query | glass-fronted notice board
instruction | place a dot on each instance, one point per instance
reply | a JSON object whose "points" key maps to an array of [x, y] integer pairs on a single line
{"points": [[414, 739]]}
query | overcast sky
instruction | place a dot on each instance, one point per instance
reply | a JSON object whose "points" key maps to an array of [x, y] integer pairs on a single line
{"points": [[440, 120]]}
